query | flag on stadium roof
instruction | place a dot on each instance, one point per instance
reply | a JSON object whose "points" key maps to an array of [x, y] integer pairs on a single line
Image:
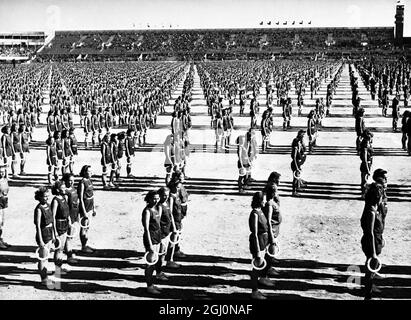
{"points": [[261, 23], [269, 23], [301, 22], [285, 23]]}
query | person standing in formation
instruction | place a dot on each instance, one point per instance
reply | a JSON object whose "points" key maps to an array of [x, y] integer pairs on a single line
{"points": [[45, 236], [311, 131], [24, 138], [243, 162], [73, 203], [51, 160], [252, 149], [372, 241], [167, 228], [74, 149], [151, 237], [265, 131], [272, 213], [366, 156], [258, 243], [170, 156], [395, 112], [129, 150], [4, 204], [298, 158], [359, 127], [85, 193], [61, 215], [7, 146], [178, 198], [405, 117]]}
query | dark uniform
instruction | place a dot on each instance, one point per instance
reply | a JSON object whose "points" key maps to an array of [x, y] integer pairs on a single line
{"points": [[262, 232], [276, 217], [154, 229], [165, 220], [88, 198], [62, 216], [73, 202], [46, 224]]}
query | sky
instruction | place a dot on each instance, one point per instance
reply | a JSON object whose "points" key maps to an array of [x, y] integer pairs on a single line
{"points": [[52, 15]]}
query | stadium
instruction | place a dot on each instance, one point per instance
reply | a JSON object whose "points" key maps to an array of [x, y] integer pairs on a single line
{"points": [[275, 154]]}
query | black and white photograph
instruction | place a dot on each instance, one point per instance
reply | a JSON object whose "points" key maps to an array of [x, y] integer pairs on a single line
{"points": [[205, 150]]}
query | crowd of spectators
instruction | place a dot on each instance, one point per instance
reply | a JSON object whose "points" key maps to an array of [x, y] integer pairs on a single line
{"points": [[198, 43]]}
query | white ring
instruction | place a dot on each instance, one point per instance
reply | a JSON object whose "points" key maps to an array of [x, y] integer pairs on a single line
{"points": [[82, 226], [258, 268], [150, 263], [38, 256], [276, 250], [59, 242], [295, 175], [369, 265]]}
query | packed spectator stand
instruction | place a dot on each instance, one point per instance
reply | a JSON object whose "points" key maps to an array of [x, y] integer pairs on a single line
{"points": [[214, 44]]}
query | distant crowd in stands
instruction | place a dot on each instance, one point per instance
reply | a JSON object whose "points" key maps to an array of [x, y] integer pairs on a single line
{"points": [[200, 43]]}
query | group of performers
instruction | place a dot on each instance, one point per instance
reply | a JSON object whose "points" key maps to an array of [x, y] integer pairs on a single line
{"points": [[58, 222], [117, 103]]}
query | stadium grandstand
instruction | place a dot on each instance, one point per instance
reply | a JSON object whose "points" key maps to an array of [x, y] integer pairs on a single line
{"points": [[215, 44], [20, 46]]}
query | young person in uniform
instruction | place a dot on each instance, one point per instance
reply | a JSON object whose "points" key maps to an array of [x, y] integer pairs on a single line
{"points": [[359, 127], [24, 137], [61, 215], [405, 117], [7, 145], [219, 132], [167, 227], [51, 156], [113, 145], [129, 150], [15, 141], [4, 204], [73, 203], [395, 112], [258, 242], [45, 236], [170, 156], [95, 127], [311, 131], [74, 149], [87, 128], [106, 159], [272, 213], [372, 240], [60, 152], [152, 235], [243, 162], [297, 161], [366, 156], [51, 124], [177, 212], [264, 131], [86, 198], [67, 152]]}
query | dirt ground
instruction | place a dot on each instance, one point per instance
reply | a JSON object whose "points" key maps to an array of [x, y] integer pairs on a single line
{"points": [[319, 238]]}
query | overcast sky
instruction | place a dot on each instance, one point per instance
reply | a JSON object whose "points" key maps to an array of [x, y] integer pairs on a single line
{"points": [[46, 15]]}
